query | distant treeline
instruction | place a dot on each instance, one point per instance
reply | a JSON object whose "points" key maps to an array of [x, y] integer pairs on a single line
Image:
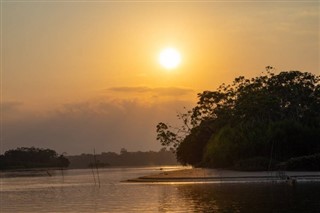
{"points": [[125, 158], [26, 158]]}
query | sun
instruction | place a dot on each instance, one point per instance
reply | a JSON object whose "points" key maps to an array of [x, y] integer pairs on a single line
{"points": [[169, 58]]}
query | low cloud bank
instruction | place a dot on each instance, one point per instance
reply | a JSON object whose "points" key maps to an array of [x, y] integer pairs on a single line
{"points": [[104, 125], [161, 91]]}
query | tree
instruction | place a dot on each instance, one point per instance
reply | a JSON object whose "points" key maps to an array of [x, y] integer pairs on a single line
{"points": [[32, 157], [171, 137], [250, 118]]}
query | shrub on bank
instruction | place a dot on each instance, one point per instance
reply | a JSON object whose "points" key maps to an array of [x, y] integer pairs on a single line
{"points": [[307, 163], [255, 164]]}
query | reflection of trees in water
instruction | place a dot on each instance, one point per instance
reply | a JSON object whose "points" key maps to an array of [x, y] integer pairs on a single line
{"points": [[303, 197]]}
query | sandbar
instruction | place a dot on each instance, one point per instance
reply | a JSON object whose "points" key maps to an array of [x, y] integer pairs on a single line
{"points": [[227, 176]]}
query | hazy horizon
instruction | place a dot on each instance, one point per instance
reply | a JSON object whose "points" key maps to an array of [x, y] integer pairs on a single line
{"points": [[83, 75]]}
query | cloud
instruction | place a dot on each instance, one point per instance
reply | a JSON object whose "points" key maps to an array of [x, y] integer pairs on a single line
{"points": [[137, 89], [103, 124], [10, 106], [11, 110], [161, 91]]}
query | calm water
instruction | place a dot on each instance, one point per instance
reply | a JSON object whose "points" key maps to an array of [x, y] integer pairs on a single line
{"points": [[75, 191]]}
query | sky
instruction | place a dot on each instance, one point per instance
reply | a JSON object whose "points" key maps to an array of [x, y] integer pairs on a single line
{"points": [[84, 75]]}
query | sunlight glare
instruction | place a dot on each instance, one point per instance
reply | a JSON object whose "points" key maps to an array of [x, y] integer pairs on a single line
{"points": [[169, 58]]}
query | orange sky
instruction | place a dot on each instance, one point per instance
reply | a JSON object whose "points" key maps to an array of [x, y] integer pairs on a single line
{"points": [[97, 63]]}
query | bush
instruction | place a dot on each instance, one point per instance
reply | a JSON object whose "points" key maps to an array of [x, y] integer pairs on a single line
{"points": [[306, 163], [255, 164]]}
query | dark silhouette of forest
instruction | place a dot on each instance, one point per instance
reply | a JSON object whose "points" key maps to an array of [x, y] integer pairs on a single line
{"points": [[26, 158], [268, 122], [125, 158]]}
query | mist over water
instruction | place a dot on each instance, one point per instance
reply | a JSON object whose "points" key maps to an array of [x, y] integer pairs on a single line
{"points": [[75, 191]]}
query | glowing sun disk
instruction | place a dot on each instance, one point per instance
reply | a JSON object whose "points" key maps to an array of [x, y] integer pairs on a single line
{"points": [[169, 58]]}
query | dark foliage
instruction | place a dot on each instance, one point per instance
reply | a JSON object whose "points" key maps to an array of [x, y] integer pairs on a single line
{"points": [[307, 163], [255, 164], [125, 158], [24, 157], [274, 117], [191, 149]]}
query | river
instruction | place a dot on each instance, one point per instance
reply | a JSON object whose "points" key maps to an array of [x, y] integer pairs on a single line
{"points": [[79, 191]]}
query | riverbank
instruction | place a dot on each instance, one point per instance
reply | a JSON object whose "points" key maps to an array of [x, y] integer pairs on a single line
{"points": [[221, 176], [30, 172]]}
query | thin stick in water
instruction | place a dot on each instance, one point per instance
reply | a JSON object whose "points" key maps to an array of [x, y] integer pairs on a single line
{"points": [[94, 178], [95, 161]]}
